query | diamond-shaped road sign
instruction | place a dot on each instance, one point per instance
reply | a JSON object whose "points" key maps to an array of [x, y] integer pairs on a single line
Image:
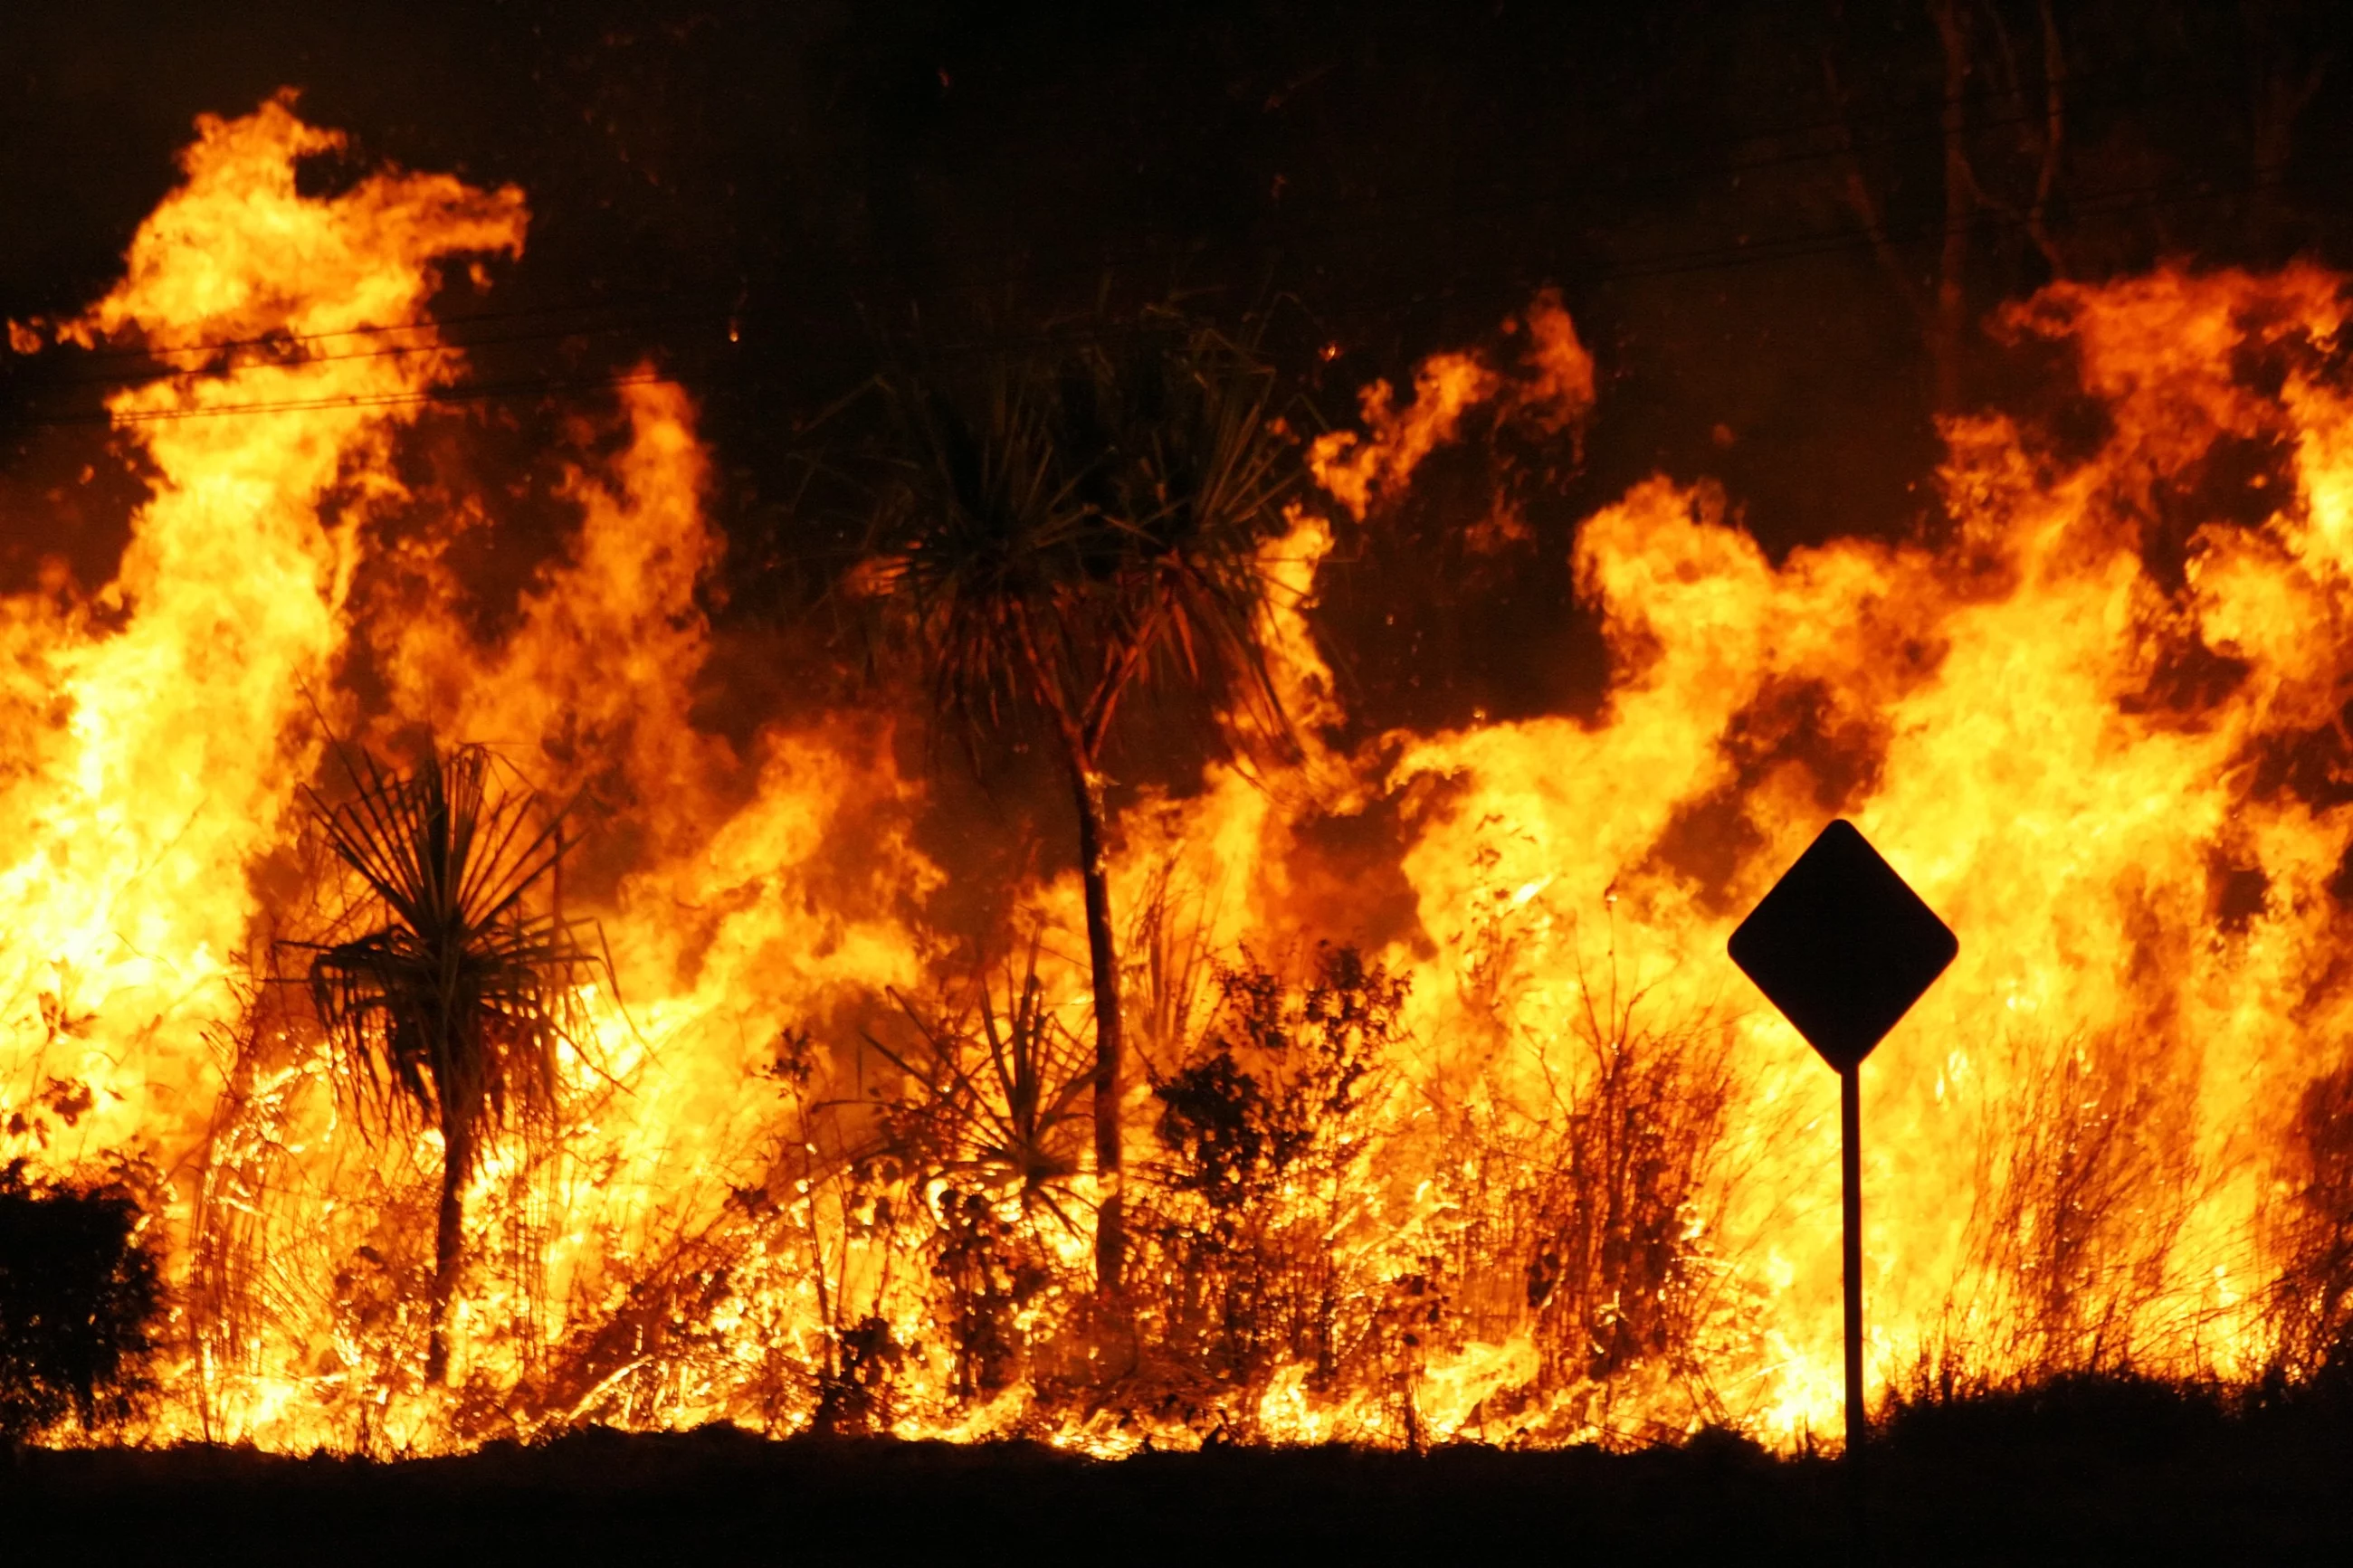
{"points": [[1842, 946]]}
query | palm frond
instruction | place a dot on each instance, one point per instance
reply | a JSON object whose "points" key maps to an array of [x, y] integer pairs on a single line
{"points": [[990, 1092], [1066, 529], [991, 525], [455, 1001]]}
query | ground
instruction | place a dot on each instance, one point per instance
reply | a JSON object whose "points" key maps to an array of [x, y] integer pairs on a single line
{"points": [[2112, 1472]]}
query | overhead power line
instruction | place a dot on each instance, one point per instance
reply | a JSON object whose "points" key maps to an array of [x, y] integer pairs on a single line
{"points": [[418, 324], [1652, 181], [478, 392], [1770, 250]]}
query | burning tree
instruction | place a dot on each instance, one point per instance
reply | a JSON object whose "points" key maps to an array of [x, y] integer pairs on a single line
{"points": [[1065, 528], [452, 1004]]}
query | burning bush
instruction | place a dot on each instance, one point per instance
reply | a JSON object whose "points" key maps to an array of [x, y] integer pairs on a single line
{"points": [[1621, 1174], [78, 1296], [1265, 1138], [1585, 1172]]}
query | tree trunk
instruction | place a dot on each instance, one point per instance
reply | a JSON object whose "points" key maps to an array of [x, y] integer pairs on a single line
{"points": [[1948, 327], [1094, 871], [448, 1243]]}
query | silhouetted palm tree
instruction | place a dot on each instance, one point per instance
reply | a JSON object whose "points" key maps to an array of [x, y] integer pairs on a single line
{"points": [[1067, 527], [452, 1004]]}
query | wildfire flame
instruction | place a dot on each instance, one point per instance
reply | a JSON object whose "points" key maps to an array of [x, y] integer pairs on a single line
{"points": [[2098, 725]]}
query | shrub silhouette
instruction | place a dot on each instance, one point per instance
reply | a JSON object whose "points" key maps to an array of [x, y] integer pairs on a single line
{"points": [[78, 1292], [990, 1119], [1265, 1135], [1621, 1173]]}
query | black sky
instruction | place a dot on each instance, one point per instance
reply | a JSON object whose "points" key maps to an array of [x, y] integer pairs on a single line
{"points": [[1382, 179]]}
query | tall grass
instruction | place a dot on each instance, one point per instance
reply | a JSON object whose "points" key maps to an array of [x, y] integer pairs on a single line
{"points": [[2086, 1174], [2311, 1301]]}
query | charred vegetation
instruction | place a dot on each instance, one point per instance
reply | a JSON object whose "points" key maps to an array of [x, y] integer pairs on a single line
{"points": [[80, 1298]]}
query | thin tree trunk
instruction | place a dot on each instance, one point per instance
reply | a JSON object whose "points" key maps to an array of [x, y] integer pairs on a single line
{"points": [[1948, 329], [1094, 871], [448, 1244]]}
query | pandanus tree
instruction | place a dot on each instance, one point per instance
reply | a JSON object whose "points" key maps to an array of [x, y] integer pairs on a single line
{"points": [[1066, 527], [995, 1092], [450, 1004]]}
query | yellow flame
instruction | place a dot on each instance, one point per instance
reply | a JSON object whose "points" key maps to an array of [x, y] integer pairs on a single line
{"points": [[2099, 773]]}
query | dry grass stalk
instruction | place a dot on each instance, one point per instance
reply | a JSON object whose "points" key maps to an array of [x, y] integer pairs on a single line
{"points": [[2085, 1179], [2311, 1307]]}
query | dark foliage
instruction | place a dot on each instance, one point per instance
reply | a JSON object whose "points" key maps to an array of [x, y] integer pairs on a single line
{"points": [[854, 1390], [2087, 1469], [990, 1268], [1935, 1410], [1262, 1175], [1068, 526], [1227, 1133], [78, 1300]]}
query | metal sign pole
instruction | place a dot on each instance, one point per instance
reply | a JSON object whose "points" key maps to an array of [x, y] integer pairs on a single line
{"points": [[1850, 1183], [1858, 1419], [1844, 948]]}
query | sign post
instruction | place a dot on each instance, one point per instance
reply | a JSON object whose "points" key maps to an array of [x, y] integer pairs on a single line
{"points": [[1858, 1417], [1844, 948]]}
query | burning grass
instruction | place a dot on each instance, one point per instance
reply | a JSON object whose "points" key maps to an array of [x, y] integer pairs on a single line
{"points": [[851, 1130]]}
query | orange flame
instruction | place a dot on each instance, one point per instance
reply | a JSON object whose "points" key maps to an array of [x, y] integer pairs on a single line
{"points": [[2097, 724]]}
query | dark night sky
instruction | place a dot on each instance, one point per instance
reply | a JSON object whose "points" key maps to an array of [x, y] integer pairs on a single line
{"points": [[1390, 179]]}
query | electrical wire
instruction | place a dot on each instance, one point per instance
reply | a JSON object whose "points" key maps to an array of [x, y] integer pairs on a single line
{"points": [[1652, 182], [2100, 204]]}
